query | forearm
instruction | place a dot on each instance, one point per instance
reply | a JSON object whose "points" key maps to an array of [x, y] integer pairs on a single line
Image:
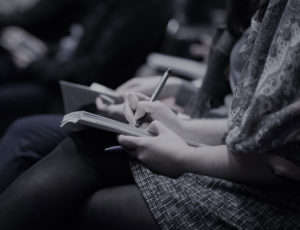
{"points": [[218, 162], [209, 132]]}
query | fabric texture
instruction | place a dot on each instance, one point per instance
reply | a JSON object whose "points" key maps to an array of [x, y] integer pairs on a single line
{"points": [[264, 110], [199, 202]]}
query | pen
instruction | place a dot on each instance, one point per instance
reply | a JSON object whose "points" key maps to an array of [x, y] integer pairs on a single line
{"points": [[114, 149], [155, 95]]}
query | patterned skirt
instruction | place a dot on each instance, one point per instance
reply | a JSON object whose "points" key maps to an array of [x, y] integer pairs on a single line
{"points": [[200, 202]]}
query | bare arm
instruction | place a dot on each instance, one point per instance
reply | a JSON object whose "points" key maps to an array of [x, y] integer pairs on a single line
{"points": [[168, 154], [218, 162], [209, 132]]}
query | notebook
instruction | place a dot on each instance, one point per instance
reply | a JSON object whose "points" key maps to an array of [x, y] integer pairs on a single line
{"points": [[76, 121], [76, 96]]}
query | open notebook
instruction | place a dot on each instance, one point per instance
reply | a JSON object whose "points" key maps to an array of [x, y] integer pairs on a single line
{"points": [[76, 96], [82, 119]]}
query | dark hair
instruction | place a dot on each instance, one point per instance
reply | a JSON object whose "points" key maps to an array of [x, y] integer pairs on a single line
{"points": [[239, 15]]}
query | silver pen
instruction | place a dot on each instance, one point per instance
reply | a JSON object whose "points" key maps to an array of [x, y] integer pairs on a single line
{"points": [[155, 95]]}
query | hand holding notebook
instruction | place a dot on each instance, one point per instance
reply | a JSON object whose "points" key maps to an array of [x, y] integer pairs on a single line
{"points": [[80, 119]]}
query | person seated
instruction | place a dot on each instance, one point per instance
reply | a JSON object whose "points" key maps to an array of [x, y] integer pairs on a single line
{"points": [[160, 182], [33, 133], [98, 55]]}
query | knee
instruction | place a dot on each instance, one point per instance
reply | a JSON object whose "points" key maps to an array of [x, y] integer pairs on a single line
{"points": [[20, 140], [34, 134], [22, 127], [99, 208], [103, 210], [15, 140], [18, 126], [117, 208]]}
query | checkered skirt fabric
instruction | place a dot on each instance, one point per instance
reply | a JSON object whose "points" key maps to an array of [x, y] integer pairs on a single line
{"points": [[200, 202]]}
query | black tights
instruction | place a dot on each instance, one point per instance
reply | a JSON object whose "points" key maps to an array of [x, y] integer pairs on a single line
{"points": [[76, 185]]}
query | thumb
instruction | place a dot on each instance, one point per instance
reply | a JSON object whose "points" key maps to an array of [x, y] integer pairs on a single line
{"points": [[128, 141], [100, 104], [144, 107], [157, 128]]}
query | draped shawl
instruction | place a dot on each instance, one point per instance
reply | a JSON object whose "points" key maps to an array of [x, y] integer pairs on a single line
{"points": [[265, 113]]}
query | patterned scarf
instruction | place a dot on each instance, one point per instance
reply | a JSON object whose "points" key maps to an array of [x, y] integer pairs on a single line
{"points": [[265, 114]]}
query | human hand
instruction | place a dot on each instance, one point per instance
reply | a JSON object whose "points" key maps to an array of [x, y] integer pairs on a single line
{"points": [[135, 109], [110, 110], [116, 111], [163, 153]]}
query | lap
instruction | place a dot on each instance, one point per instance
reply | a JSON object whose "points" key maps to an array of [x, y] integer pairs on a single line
{"points": [[27, 141], [58, 185], [116, 207]]}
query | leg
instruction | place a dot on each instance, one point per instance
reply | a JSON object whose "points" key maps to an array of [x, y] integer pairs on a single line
{"points": [[118, 208], [54, 189], [27, 141]]}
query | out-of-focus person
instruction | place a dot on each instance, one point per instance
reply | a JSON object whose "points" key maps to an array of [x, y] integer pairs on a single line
{"points": [[106, 45]]}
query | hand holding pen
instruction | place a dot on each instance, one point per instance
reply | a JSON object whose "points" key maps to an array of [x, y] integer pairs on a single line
{"points": [[154, 96]]}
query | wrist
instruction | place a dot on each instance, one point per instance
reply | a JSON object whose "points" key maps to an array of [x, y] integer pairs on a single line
{"points": [[183, 128], [187, 158], [181, 124]]}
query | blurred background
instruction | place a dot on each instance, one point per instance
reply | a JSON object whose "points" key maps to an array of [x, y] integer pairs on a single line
{"points": [[104, 41], [13, 6]]}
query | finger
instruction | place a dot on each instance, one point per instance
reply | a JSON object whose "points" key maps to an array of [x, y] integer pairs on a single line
{"points": [[129, 142], [144, 125], [144, 107], [110, 109], [140, 112], [140, 96], [128, 114], [100, 104], [157, 128], [116, 109], [133, 100]]}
